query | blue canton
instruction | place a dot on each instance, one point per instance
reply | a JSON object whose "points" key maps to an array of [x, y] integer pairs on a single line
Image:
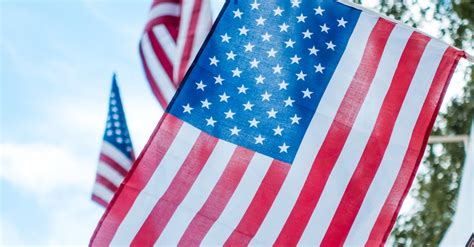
{"points": [[263, 70], [116, 132]]}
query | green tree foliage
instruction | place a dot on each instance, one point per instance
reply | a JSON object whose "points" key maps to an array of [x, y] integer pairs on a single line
{"points": [[436, 187]]}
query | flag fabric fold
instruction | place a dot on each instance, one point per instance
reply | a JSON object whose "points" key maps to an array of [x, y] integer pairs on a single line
{"points": [[172, 37], [299, 122], [116, 154]]}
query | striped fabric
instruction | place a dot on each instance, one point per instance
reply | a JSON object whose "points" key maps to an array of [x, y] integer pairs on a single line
{"points": [[171, 39], [334, 173], [116, 155]]}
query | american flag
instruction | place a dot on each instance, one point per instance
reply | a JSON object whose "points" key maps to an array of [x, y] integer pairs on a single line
{"points": [[116, 155], [300, 122], [172, 37]]}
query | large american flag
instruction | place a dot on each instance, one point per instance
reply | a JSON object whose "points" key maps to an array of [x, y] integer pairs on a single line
{"points": [[116, 155], [300, 122], [172, 37]]}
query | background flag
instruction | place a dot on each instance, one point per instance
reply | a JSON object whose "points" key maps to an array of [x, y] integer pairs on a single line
{"points": [[171, 39], [116, 154], [301, 122]]}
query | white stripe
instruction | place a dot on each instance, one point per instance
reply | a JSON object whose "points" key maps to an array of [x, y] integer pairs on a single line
{"points": [[112, 152], [109, 173], [156, 187], [202, 29], [164, 9], [399, 141], [186, 12], [239, 202], [316, 133], [357, 140], [166, 41], [198, 194], [159, 75], [102, 192]]}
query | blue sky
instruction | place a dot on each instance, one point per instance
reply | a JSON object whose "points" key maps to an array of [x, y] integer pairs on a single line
{"points": [[57, 60]]}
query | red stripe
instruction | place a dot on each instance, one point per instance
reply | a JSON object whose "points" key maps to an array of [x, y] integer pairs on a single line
{"points": [[260, 205], [157, 2], [161, 55], [113, 164], [371, 158], [218, 199], [176, 191], [337, 136], [139, 175], [99, 200], [106, 183], [153, 84], [412, 159], [171, 22], [190, 35]]}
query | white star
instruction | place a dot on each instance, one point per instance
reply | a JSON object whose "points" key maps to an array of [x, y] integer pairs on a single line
{"points": [[307, 34], [259, 139], [284, 27], [249, 47], [283, 85], [277, 69], [236, 72], [243, 30], [319, 68], [295, 119], [324, 28], [301, 18], [313, 51], [266, 96], [234, 131], [254, 123], [289, 43], [210, 121], [295, 3], [214, 61], [238, 14], [248, 106], [242, 89], [278, 130], [231, 55], [187, 109], [266, 37], [319, 11], [301, 76], [254, 5], [260, 21], [225, 38], [295, 59], [218, 79], [307, 93], [288, 102], [259, 79], [200, 85], [330, 45], [224, 97], [254, 63], [277, 11], [283, 148], [205, 103], [229, 114], [341, 22], [272, 113], [271, 53]]}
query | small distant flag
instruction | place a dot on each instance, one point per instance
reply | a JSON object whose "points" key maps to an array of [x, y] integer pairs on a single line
{"points": [[299, 123], [116, 155], [172, 37]]}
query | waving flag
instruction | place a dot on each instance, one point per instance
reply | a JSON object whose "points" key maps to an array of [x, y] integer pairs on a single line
{"points": [[173, 35], [116, 154], [300, 122]]}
